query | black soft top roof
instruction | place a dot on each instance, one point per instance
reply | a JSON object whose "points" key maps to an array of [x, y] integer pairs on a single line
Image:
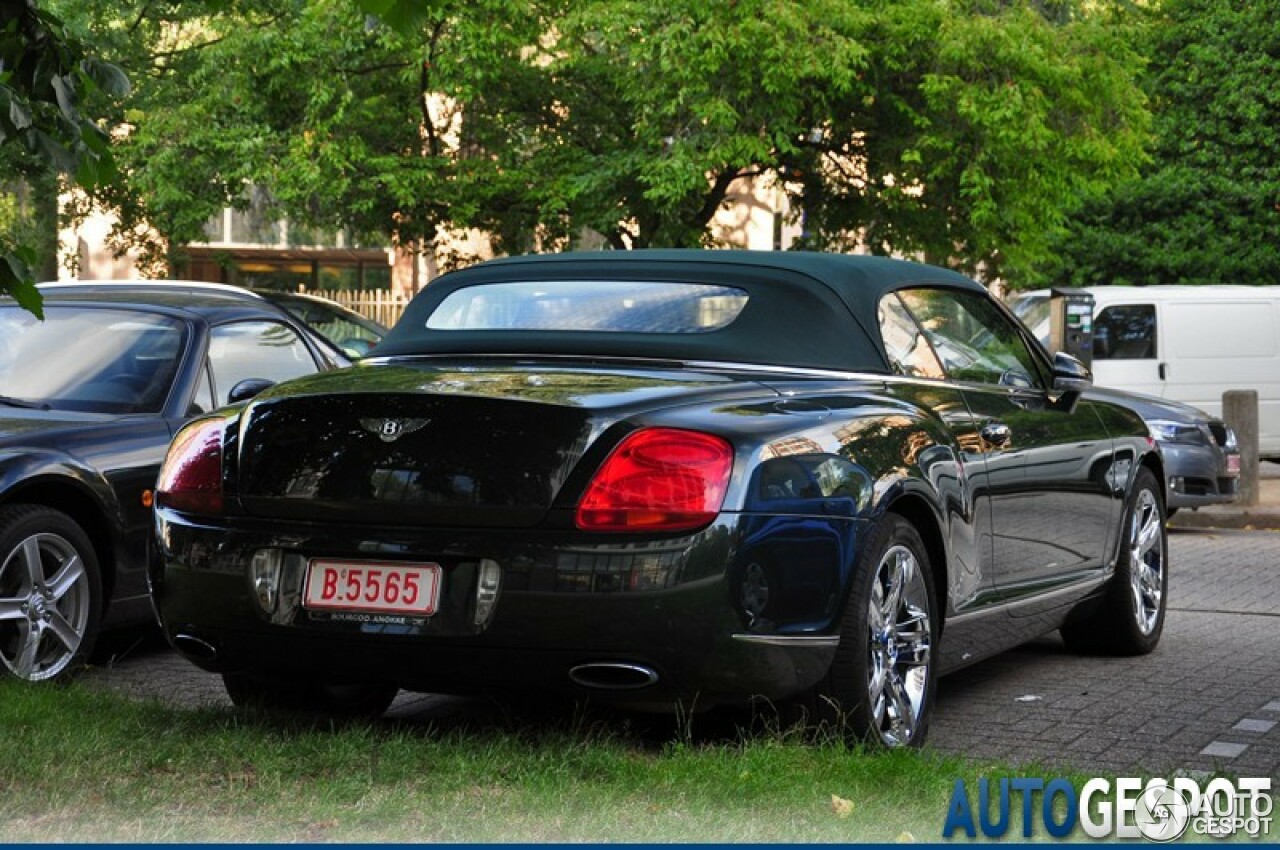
{"points": [[804, 309]]}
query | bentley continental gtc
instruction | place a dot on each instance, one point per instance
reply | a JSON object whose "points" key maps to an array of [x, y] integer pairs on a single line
{"points": [[664, 478]]}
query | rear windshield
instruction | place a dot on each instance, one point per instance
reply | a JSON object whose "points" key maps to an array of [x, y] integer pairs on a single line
{"points": [[596, 306]]}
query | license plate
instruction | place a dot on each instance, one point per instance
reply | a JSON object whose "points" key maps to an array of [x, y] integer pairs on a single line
{"points": [[373, 586], [1233, 464]]}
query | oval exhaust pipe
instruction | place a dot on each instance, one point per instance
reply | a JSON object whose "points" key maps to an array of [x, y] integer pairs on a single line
{"points": [[194, 647], [613, 676]]}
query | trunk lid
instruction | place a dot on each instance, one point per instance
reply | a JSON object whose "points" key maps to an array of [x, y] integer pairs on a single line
{"points": [[446, 445]]}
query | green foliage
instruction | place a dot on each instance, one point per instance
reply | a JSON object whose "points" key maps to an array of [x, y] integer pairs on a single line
{"points": [[1207, 208], [667, 102], [95, 766], [982, 127], [960, 130], [50, 89]]}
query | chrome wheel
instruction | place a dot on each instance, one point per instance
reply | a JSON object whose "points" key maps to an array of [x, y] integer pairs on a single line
{"points": [[900, 646], [1128, 618], [45, 606], [1146, 560]]}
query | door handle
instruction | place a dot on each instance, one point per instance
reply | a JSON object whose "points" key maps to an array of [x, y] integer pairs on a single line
{"points": [[1163, 371], [996, 434]]}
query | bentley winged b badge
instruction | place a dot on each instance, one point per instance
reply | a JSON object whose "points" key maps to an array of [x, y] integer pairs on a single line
{"points": [[390, 430]]}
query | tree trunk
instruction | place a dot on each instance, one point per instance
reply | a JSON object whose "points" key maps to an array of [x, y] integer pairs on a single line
{"points": [[38, 203]]}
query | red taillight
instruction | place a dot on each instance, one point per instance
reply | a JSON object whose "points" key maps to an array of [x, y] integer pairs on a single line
{"points": [[191, 478], [658, 479]]}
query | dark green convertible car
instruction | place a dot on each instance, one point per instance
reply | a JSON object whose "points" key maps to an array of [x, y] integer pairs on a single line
{"points": [[665, 477]]}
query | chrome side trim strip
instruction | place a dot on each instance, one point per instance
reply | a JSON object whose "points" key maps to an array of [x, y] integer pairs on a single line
{"points": [[1079, 588], [798, 641]]}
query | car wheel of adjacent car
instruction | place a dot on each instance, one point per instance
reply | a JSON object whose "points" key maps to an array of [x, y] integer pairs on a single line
{"points": [[882, 682], [50, 593], [254, 690], [1130, 617]]}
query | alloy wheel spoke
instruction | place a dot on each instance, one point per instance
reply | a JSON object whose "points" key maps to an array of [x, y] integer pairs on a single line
{"points": [[1151, 577], [913, 617], [875, 687], [1151, 584], [879, 708], [11, 609], [67, 576], [875, 619], [1149, 536], [30, 556], [903, 716], [64, 631], [913, 647], [25, 664], [1139, 600], [899, 575]]}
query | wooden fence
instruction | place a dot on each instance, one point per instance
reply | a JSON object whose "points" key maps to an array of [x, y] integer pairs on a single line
{"points": [[381, 305]]}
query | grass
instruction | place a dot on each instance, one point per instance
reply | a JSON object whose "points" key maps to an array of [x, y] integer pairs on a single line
{"points": [[83, 765]]}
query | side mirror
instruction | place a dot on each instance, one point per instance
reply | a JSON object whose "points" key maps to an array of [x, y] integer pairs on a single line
{"points": [[1069, 374], [247, 389]]}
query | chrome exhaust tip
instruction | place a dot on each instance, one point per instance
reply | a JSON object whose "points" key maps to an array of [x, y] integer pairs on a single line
{"points": [[197, 649], [613, 676]]}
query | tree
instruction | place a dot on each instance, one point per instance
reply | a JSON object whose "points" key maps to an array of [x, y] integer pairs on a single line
{"points": [[988, 122], [1207, 207], [963, 131], [46, 78], [960, 130]]}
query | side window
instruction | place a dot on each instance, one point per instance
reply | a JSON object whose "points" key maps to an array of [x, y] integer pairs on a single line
{"points": [[974, 340], [908, 350], [1125, 332], [267, 350]]}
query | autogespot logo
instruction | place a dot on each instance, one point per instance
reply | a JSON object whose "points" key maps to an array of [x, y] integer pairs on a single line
{"points": [[1156, 809]]}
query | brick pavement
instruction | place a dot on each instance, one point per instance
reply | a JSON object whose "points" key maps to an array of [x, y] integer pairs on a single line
{"points": [[1217, 666]]}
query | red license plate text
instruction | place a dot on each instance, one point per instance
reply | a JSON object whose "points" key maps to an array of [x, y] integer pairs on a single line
{"points": [[377, 587]]}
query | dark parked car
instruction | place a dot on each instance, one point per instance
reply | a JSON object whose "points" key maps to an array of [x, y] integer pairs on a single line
{"points": [[91, 397], [1201, 459], [665, 476], [351, 332]]}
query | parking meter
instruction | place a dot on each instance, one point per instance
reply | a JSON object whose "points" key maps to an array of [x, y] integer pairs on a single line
{"points": [[1071, 323]]}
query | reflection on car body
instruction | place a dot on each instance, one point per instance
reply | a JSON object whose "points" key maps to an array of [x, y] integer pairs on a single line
{"points": [[93, 394], [1201, 459], [737, 476], [351, 333]]}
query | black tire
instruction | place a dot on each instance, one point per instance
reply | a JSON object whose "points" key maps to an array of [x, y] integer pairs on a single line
{"points": [[304, 696], [900, 655], [50, 594], [1129, 619]]}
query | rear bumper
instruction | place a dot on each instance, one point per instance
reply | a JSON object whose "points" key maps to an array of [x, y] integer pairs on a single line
{"points": [[675, 607]]}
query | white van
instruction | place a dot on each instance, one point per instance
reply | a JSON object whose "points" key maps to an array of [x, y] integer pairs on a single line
{"points": [[1186, 343]]}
